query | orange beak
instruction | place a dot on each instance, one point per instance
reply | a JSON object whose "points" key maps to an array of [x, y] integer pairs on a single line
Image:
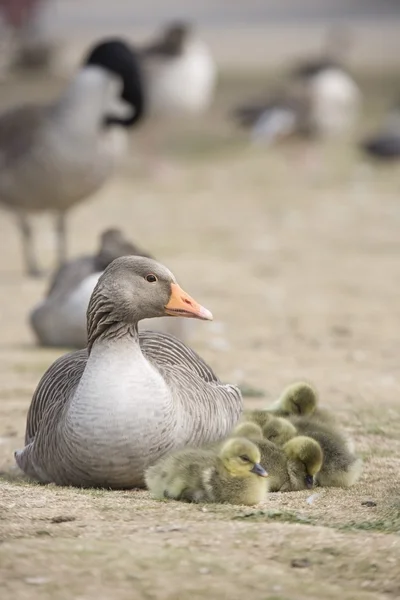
{"points": [[180, 304]]}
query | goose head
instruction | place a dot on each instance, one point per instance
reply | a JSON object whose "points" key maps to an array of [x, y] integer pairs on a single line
{"points": [[241, 458], [117, 58], [133, 288], [113, 244], [172, 40]]}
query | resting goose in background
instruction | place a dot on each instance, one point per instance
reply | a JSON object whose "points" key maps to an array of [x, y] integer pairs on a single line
{"points": [[60, 319], [384, 146], [319, 99], [180, 73], [286, 114], [57, 155], [101, 416]]}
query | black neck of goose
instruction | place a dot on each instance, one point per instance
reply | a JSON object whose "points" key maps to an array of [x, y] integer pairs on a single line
{"points": [[104, 322]]}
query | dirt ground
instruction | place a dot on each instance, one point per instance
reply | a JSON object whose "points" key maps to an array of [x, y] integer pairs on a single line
{"points": [[301, 269]]}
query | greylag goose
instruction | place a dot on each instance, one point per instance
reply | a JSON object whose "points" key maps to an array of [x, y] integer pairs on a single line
{"points": [[55, 156], [101, 416], [60, 319], [230, 475], [179, 72]]}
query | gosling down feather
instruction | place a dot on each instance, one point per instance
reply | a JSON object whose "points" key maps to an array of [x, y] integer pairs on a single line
{"points": [[232, 475], [340, 468], [290, 468], [100, 417]]}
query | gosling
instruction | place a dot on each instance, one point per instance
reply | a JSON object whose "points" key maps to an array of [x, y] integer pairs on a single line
{"points": [[232, 475], [291, 467], [300, 398], [341, 468]]}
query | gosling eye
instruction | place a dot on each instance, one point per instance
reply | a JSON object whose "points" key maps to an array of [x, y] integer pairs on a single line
{"points": [[151, 278], [245, 458]]}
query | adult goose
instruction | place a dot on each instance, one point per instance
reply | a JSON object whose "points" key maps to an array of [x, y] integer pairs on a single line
{"points": [[318, 99], [59, 320], [57, 155], [101, 416], [179, 72]]}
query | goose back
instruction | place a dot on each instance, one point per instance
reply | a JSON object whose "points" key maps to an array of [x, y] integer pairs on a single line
{"points": [[203, 409]]}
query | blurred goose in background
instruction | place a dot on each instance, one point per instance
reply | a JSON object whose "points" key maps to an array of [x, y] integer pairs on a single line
{"points": [[384, 146], [25, 39], [180, 78], [318, 99], [180, 73], [57, 155], [101, 416], [60, 319], [333, 93]]}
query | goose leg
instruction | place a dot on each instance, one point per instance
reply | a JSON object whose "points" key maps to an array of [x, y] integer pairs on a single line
{"points": [[28, 250], [61, 232]]}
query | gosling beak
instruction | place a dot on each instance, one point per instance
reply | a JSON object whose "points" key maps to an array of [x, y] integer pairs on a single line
{"points": [[309, 481], [259, 470], [180, 304]]}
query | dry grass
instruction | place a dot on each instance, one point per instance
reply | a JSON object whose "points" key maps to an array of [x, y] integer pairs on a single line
{"points": [[302, 273]]}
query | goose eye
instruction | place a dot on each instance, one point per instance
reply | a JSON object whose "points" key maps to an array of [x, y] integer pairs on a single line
{"points": [[245, 458], [151, 278]]}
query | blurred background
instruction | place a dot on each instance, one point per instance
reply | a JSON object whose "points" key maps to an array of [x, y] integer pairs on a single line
{"points": [[266, 184], [264, 173]]}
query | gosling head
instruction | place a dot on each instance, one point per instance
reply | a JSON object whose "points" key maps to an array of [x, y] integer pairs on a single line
{"points": [[249, 430], [261, 417], [279, 431], [134, 288], [299, 399], [113, 244], [307, 455], [241, 458]]}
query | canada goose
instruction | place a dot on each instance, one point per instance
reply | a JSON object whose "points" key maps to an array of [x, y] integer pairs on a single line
{"points": [[340, 468], [101, 416], [57, 155], [232, 475], [179, 72], [334, 95], [317, 99], [284, 114], [291, 467], [60, 319]]}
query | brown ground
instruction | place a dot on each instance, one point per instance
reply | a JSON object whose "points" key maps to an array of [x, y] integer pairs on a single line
{"points": [[302, 273]]}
